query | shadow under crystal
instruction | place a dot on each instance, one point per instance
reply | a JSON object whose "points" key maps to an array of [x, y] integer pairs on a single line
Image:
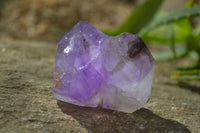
{"points": [[98, 120]]}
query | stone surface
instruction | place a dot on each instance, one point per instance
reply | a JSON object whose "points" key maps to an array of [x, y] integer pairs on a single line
{"points": [[27, 104], [93, 69]]}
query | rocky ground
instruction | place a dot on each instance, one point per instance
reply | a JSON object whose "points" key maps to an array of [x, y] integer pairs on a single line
{"points": [[28, 105]]}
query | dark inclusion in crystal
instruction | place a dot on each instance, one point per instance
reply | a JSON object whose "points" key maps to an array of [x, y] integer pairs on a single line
{"points": [[135, 47], [93, 69]]}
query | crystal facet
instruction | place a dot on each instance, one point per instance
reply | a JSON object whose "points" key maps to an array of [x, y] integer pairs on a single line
{"points": [[93, 69]]}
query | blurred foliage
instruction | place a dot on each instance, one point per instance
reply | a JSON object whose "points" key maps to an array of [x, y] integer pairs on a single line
{"points": [[135, 22], [175, 29]]}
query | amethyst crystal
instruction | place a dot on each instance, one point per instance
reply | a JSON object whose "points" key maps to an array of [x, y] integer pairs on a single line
{"points": [[93, 69]]}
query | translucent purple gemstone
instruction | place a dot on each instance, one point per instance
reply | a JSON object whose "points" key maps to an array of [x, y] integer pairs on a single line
{"points": [[93, 69]]}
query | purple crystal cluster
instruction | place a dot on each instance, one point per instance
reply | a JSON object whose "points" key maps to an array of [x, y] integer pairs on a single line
{"points": [[93, 69]]}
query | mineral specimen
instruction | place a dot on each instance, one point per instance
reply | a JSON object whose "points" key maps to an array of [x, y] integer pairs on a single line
{"points": [[93, 69]]}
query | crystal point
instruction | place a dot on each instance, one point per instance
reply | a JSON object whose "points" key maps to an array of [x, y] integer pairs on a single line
{"points": [[93, 69]]}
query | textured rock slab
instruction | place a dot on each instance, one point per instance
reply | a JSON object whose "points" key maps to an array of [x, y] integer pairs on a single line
{"points": [[93, 69], [28, 106]]}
